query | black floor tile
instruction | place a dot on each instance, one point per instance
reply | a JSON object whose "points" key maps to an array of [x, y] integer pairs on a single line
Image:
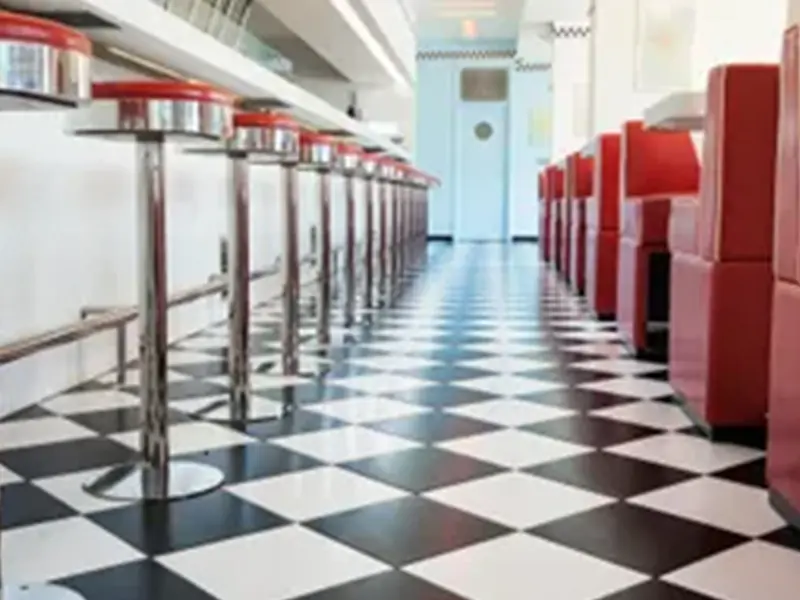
{"points": [[183, 390], [422, 469], [639, 538], [448, 373], [565, 374], [656, 590], [788, 537], [384, 530], [30, 412], [308, 393], [65, 457], [433, 427], [293, 421], [162, 528], [610, 474], [591, 431], [394, 585], [143, 580], [25, 504], [577, 399], [108, 422], [203, 370], [752, 473], [253, 461], [443, 396]]}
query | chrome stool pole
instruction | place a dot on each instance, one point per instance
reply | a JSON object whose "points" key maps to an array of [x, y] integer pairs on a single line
{"points": [[348, 161], [150, 113], [317, 154], [369, 167]]}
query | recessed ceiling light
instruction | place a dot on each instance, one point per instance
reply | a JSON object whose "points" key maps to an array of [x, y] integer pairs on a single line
{"points": [[469, 29]]}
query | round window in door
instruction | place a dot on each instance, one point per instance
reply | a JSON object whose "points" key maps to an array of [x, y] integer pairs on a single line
{"points": [[483, 131]]}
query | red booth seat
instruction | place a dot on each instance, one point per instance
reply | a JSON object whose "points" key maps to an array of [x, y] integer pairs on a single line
{"points": [[602, 227], [557, 213], [544, 217], [579, 187], [655, 166], [721, 245], [783, 450]]}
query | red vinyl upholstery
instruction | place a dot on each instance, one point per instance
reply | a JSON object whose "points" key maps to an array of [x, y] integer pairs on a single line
{"points": [[783, 450], [579, 175], [602, 227], [557, 214], [721, 245], [545, 214], [655, 166]]}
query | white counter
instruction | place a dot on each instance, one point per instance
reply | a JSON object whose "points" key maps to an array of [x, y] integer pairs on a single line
{"points": [[679, 111]]}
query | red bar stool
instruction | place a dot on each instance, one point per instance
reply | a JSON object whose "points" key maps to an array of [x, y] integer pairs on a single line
{"points": [[602, 228], [655, 167], [45, 66], [721, 247], [783, 448], [149, 113], [579, 188]]}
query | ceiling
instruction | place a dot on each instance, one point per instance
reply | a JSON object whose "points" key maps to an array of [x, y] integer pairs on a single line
{"points": [[466, 19]]}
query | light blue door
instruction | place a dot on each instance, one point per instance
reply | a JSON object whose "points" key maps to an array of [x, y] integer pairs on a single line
{"points": [[482, 150]]}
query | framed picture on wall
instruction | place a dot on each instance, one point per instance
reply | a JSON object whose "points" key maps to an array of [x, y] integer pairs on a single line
{"points": [[663, 47]]}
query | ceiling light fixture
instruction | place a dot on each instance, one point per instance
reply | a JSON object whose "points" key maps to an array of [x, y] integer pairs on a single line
{"points": [[469, 29]]}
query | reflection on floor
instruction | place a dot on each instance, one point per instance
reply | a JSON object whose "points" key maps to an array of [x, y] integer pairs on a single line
{"points": [[481, 439]]}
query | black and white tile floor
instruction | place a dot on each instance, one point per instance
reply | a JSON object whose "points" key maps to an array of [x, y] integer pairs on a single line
{"points": [[483, 439]]}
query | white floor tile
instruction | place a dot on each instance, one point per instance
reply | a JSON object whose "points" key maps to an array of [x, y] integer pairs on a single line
{"points": [[521, 567], [315, 493], [276, 565], [54, 544], [631, 387], [505, 347], [344, 444], [260, 408], [37, 432], [367, 409], [203, 342], [753, 571], [187, 438], [69, 490], [619, 366], [264, 382], [590, 336], [509, 385], [510, 412], [405, 333], [608, 349], [585, 324], [518, 500], [394, 363], [383, 384], [508, 334], [7, 476], [733, 506], [686, 452], [513, 449], [90, 401], [507, 364], [134, 377], [183, 357], [405, 347], [648, 413]]}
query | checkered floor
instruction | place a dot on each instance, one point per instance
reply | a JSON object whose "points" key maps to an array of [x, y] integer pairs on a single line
{"points": [[481, 439]]}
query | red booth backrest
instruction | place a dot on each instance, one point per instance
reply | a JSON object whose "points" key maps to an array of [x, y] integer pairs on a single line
{"points": [[579, 169], [737, 182], [787, 190], [657, 163], [604, 214], [558, 182], [541, 179]]}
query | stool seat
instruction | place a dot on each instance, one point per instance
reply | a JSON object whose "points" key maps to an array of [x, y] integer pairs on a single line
{"points": [[348, 159], [317, 150], [266, 136], [154, 110], [44, 64]]}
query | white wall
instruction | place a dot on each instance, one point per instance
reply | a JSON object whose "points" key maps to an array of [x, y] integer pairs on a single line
{"points": [[383, 105], [570, 82], [725, 31], [67, 225]]}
